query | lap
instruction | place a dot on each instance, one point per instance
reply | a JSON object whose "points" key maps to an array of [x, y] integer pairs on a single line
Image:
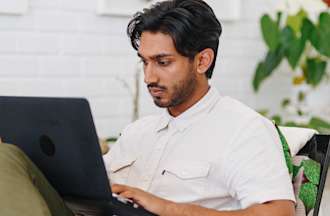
{"points": [[23, 188]]}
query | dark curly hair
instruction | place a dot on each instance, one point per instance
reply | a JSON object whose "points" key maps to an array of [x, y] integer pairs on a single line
{"points": [[192, 25]]}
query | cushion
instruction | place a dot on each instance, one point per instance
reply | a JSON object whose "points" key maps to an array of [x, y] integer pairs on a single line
{"points": [[297, 137]]}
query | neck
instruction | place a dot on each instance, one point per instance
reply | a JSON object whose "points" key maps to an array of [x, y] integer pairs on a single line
{"points": [[196, 96]]}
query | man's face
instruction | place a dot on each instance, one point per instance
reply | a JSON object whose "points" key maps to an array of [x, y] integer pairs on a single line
{"points": [[170, 77]]}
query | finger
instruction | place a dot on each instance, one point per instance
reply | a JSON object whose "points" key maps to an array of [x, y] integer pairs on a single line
{"points": [[0, 140], [136, 197], [117, 188], [128, 195]]}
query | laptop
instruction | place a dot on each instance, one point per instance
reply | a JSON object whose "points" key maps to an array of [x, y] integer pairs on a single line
{"points": [[323, 195], [59, 136]]}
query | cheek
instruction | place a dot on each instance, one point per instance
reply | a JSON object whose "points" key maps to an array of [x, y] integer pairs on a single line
{"points": [[167, 75], [172, 74]]}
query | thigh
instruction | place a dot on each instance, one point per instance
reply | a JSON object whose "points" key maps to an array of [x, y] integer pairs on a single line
{"points": [[23, 188]]}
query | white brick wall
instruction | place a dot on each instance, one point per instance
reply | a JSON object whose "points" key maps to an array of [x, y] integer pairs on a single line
{"points": [[62, 48]]}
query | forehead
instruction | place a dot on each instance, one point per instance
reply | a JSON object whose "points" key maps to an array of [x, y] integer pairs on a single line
{"points": [[152, 44]]}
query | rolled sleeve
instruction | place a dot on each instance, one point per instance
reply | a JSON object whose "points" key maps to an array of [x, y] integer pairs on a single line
{"points": [[255, 167]]}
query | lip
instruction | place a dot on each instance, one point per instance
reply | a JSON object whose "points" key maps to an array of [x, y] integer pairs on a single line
{"points": [[156, 92]]}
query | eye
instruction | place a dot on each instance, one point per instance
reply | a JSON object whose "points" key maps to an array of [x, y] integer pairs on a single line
{"points": [[164, 62]]}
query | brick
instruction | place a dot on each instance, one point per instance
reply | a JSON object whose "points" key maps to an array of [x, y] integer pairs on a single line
{"points": [[8, 42], [111, 106], [81, 44], [82, 5], [59, 66], [102, 65], [242, 48], [111, 126], [113, 87], [227, 66], [117, 45], [9, 86], [25, 22], [80, 87], [43, 87], [103, 24], [243, 29], [37, 43], [18, 66], [14, 7], [42, 4], [110, 66], [254, 9], [31, 87], [55, 20]]}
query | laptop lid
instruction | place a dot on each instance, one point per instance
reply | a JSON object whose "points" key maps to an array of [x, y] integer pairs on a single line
{"points": [[323, 196], [59, 136]]}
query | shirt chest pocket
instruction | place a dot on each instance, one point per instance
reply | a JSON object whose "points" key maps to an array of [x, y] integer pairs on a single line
{"points": [[120, 169], [186, 177], [188, 170]]}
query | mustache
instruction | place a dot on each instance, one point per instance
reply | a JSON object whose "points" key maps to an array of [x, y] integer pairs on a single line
{"points": [[155, 85]]}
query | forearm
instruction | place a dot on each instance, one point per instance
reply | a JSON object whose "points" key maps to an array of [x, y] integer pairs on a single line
{"points": [[165, 207], [175, 209], [277, 208]]}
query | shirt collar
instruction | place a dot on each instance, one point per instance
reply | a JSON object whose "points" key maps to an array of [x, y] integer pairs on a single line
{"points": [[182, 121]]}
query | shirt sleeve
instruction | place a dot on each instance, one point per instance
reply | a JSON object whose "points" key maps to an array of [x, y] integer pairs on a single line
{"points": [[117, 151], [255, 167]]}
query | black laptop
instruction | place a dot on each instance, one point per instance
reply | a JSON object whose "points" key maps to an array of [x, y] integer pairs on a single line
{"points": [[59, 136]]}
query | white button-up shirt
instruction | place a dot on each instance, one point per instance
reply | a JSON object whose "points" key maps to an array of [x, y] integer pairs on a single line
{"points": [[219, 154]]}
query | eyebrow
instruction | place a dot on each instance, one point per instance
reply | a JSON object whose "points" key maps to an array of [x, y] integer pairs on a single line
{"points": [[158, 56]]}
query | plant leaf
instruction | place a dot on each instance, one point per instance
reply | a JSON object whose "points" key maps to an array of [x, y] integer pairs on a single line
{"points": [[259, 76], [265, 68], [307, 29], [277, 119], [263, 112], [320, 34], [312, 170], [296, 21], [294, 46], [301, 96], [270, 32], [319, 124], [324, 33], [315, 71], [295, 51], [287, 36], [285, 102], [298, 80], [307, 194]]}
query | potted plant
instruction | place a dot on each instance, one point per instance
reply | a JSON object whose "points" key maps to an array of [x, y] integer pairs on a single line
{"points": [[300, 34]]}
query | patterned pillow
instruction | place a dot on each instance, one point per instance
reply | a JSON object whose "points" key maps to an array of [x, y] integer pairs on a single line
{"points": [[305, 174]]}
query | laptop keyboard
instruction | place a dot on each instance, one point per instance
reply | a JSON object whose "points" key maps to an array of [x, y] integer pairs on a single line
{"points": [[125, 200]]}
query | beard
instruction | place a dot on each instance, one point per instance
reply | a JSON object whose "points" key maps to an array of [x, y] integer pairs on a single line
{"points": [[179, 92]]}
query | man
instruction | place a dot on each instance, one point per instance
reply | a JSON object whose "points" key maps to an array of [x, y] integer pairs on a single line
{"points": [[207, 154], [206, 151]]}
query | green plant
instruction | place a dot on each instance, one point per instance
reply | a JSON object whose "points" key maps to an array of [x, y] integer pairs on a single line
{"points": [[301, 42], [305, 45]]}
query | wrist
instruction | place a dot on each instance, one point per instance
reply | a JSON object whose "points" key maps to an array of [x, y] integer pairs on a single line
{"points": [[174, 209]]}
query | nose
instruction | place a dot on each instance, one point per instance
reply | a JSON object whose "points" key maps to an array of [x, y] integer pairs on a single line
{"points": [[150, 75]]}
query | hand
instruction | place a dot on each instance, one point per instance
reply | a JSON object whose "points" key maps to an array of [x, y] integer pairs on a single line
{"points": [[0, 140], [148, 201], [104, 146]]}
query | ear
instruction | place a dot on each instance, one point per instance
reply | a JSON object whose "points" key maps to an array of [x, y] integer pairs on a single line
{"points": [[204, 60]]}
